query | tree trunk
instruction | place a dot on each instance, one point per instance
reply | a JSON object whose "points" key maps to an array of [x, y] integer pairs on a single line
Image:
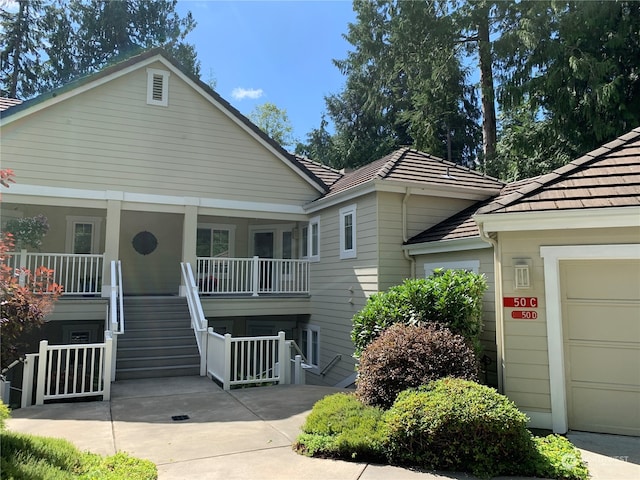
{"points": [[489, 136]]}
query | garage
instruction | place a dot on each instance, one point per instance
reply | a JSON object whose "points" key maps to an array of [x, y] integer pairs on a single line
{"points": [[601, 340]]}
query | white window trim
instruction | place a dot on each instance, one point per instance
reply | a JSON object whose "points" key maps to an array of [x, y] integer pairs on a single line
{"points": [[151, 72], [95, 239], [552, 255], [223, 226], [344, 212], [309, 353], [468, 265], [312, 257]]}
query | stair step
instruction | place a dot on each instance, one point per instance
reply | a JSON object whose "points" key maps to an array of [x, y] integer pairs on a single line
{"points": [[158, 340], [159, 361], [155, 372], [157, 350]]}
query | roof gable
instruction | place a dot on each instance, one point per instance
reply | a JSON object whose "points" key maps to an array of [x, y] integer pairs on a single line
{"points": [[21, 109]]}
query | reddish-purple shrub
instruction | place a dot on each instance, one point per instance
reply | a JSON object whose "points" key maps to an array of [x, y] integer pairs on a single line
{"points": [[406, 356]]}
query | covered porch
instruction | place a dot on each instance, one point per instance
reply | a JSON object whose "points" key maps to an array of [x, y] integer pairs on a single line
{"points": [[234, 253]]}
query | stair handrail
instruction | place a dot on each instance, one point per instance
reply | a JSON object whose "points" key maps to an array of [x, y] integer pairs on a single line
{"points": [[198, 320], [193, 298], [116, 307]]}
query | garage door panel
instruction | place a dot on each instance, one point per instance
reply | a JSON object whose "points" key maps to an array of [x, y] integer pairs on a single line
{"points": [[605, 365], [591, 409], [606, 322], [601, 328], [611, 279]]}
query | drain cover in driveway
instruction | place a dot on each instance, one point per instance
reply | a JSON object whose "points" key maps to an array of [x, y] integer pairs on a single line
{"points": [[178, 418]]}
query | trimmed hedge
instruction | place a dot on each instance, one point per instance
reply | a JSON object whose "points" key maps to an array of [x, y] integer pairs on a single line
{"points": [[458, 425], [452, 298], [406, 356], [340, 426]]}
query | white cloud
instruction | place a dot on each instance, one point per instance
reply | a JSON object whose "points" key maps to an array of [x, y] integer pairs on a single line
{"points": [[242, 93]]}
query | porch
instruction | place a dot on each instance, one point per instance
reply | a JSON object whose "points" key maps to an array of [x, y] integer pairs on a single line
{"points": [[84, 275]]}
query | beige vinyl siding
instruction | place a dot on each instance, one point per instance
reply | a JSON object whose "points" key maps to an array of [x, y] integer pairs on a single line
{"points": [[526, 363], [108, 138], [485, 257], [340, 288], [425, 211], [394, 267]]}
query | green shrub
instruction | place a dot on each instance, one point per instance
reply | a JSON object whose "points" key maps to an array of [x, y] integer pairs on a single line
{"points": [[4, 414], [406, 356], [452, 298], [340, 426], [454, 424], [555, 457]]}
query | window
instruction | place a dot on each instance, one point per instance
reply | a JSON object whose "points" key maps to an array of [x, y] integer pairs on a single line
{"points": [[310, 344], [83, 234], [157, 87], [468, 265], [215, 240], [304, 241], [348, 232], [311, 240]]}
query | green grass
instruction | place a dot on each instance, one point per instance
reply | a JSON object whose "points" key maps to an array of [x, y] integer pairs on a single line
{"points": [[29, 457]]}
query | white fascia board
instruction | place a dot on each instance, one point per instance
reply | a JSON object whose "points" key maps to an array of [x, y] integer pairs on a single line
{"points": [[434, 190], [342, 197], [560, 219], [80, 89], [444, 246], [18, 193]]}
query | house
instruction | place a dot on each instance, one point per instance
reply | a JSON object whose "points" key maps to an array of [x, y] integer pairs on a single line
{"points": [[146, 165], [564, 252]]}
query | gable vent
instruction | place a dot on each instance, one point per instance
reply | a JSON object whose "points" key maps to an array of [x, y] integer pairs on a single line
{"points": [[157, 87], [158, 82]]}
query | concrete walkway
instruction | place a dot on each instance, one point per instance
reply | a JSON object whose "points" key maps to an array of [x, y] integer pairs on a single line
{"points": [[243, 434]]}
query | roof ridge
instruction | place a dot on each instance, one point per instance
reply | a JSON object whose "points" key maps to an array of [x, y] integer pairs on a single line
{"points": [[394, 158], [457, 165], [320, 164]]}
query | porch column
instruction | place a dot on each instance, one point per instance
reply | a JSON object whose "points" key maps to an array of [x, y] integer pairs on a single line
{"points": [[189, 238], [112, 241]]}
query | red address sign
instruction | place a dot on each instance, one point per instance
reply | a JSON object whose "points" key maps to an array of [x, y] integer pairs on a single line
{"points": [[524, 314], [520, 302]]}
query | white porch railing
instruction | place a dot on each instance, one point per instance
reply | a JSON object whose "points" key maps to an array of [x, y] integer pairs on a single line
{"points": [[68, 371], [198, 320], [240, 360], [252, 360], [252, 276], [78, 274]]}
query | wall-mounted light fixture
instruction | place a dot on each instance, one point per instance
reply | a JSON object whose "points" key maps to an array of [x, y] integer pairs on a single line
{"points": [[522, 273]]}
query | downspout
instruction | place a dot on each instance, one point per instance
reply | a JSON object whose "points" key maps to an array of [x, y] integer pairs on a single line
{"points": [[405, 234], [497, 275]]}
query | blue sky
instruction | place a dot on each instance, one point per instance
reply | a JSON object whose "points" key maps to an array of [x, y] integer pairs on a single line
{"points": [[272, 51]]}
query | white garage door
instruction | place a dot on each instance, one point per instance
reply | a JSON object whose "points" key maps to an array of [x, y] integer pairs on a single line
{"points": [[601, 325]]}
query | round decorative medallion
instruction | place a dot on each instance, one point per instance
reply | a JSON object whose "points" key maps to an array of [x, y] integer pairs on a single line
{"points": [[144, 243]]}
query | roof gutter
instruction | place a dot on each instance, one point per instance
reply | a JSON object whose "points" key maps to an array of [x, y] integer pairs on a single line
{"points": [[497, 275]]}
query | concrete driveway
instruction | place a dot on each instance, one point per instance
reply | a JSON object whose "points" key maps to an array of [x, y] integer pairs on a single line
{"points": [[243, 434]]}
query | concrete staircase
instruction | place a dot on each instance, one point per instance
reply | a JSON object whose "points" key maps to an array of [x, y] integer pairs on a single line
{"points": [[158, 340]]}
